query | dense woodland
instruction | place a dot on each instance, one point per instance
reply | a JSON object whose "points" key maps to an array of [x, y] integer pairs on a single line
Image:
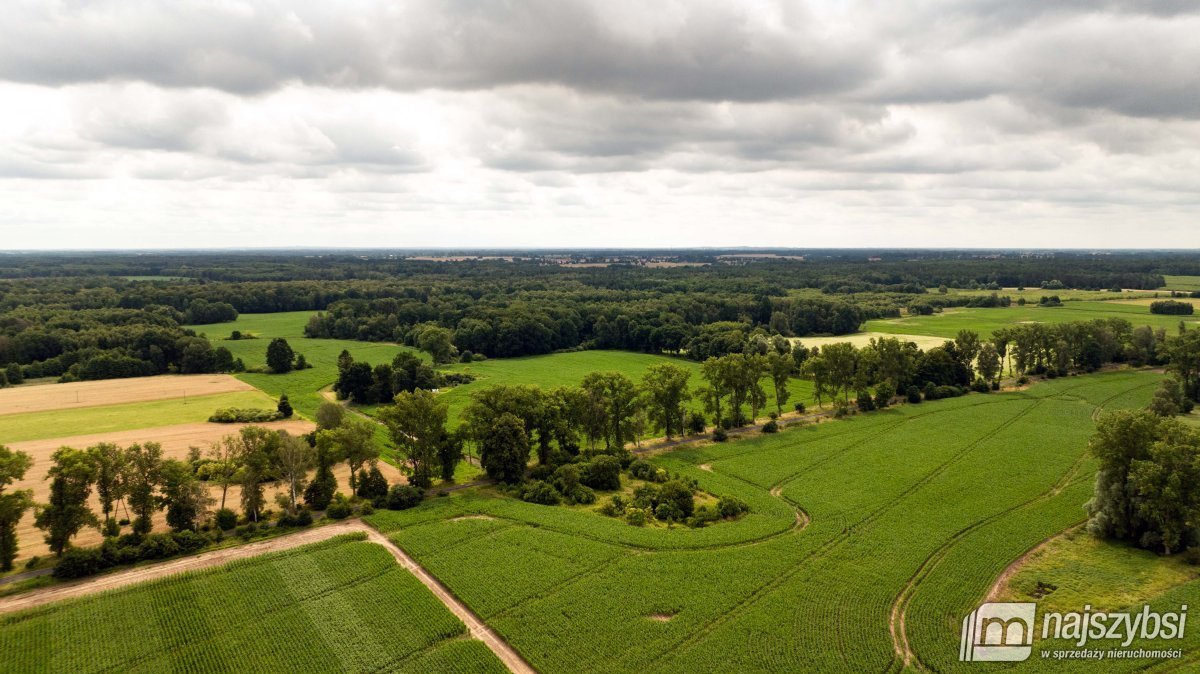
{"points": [[78, 317]]}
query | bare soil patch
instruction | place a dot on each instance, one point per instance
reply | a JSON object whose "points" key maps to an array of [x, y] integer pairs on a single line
{"points": [[465, 518], [75, 395], [661, 617], [705, 466]]}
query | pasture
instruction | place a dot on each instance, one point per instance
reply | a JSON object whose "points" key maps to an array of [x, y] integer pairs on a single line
{"points": [[302, 386], [867, 542], [986, 321], [1182, 282], [340, 605]]}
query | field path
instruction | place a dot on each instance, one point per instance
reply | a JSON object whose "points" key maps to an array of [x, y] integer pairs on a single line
{"points": [[81, 588]]}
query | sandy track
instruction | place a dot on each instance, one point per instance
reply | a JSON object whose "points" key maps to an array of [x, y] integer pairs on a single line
{"points": [[475, 625], [176, 440], [44, 397]]}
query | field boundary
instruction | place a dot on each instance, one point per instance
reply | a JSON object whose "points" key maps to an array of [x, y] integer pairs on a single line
{"points": [[477, 628]]}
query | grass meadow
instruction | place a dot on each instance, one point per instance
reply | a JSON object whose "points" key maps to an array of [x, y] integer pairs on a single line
{"points": [[986, 321], [1183, 282], [340, 605], [911, 512]]}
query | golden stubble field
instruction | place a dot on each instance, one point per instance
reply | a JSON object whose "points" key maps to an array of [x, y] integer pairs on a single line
{"points": [[46, 397]]}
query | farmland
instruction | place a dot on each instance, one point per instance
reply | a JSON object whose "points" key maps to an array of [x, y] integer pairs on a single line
{"points": [[302, 386], [881, 551], [987, 320], [1183, 282], [341, 605]]}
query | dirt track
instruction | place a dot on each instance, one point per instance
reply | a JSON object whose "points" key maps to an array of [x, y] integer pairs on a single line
{"points": [[43, 397], [475, 626]]}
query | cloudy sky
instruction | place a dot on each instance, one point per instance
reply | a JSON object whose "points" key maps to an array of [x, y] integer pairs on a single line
{"points": [[465, 123]]}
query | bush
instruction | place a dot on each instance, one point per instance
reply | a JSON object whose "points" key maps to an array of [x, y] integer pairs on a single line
{"points": [[284, 407], [226, 519], [703, 515], [1191, 556], [340, 508], [799, 407], [540, 492], [667, 512], [883, 394], [581, 495], [403, 497], [771, 426], [912, 394], [696, 423], [614, 507], [1171, 307], [190, 541], [679, 495], [732, 506], [644, 470], [158, 546], [720, 435], [602, 472], [79, 562], [636, 517], [980, 386], [302, 518], [235, 415]]}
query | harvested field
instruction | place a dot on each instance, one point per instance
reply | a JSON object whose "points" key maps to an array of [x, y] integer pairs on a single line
{"points": [[176, 440], [43, 397], [861, 339]]}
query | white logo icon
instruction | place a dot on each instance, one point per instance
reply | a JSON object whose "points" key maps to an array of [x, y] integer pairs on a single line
{"points": [[998, 632]]}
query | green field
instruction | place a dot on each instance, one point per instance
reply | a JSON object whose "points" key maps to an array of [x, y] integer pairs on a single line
{"points": [[124, 417], [340, 605], [985, 321], [917, 508], [1183, 282], [303, 387], [568, 369]]}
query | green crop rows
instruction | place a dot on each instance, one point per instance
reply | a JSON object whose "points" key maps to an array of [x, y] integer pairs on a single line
{"points": [[340, 605], [912, 512]]}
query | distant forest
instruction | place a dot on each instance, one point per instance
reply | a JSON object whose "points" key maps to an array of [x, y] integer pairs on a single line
{"points": [[77, 315]]}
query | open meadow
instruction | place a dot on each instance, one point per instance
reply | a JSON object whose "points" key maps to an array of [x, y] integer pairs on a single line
{"points": [[867, 541], [985, 321], [341, 605]]}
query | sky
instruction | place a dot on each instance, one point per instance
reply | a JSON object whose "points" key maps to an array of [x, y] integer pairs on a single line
{"points": [[599, 123]]}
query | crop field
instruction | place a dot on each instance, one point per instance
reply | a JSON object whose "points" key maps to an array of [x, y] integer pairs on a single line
{"points": [[303, 387], [126, 417], [568, 369], [985, 321], [340, 605], [861, 339], [75, 395], [867, 542]]}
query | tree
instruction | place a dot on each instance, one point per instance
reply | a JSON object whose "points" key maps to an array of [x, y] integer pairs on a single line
{"points": [[355, 382], [185, 497], [142, 475], [67, 512], [257, 451], [781, 367], [293, 459], [417, 423], [1183, 356], [280, 356], [666, 388], [13, 372], [13, 504], [344, 361], [319, 493], [449, 454], [505, 451], [226, 456], [989, 362], [354, 443], [329, 415], [284, 407], [1169, 400], [617, 395], [437, 342], [109, 460], [372, 485]]}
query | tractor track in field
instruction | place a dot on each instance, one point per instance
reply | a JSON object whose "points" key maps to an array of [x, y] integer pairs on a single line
{"points": [[905, 656], [476, 627]]}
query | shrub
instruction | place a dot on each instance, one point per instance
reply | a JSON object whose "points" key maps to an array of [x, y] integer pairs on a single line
{"points": [[644, 470], [79, 562], [190, 541], [158, 546], [403, 497], [980, 386], [1191, 556], [235, 415], [540, 492], [883, 394], [771, 426], [696, 423], [602, 472], [912, 394], [732, 506], [581, 495], [678, 494], [302, 518], [799, 407], [614, 507], [667, 512], [1171, 307], [636, 517], [720, 435], [285, 406], [339, 508], [703, 515], [226, 519]]}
